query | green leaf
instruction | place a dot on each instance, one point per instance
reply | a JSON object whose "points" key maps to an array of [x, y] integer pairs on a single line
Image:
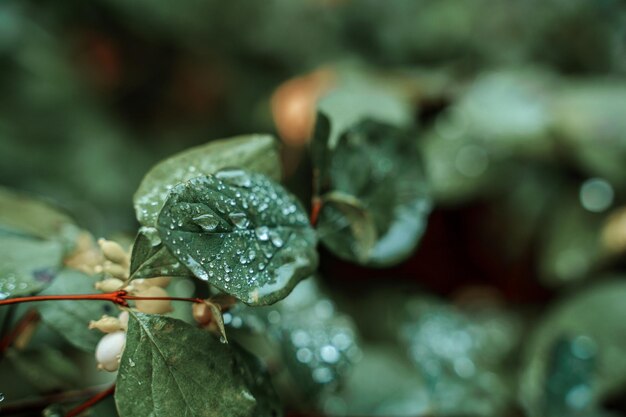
{"points": [[350, 226], [594, 321], [70, 318], [241, 232], [314, 341], [360, 100], [148, 260], [46, 368], [171, 368], [258, 153], [379, 167], [27, 265], [27, 216]]}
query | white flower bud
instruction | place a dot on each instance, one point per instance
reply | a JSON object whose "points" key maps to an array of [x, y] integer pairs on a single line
{"points": [[109, 284], [115, 270], [123, 318], [144, 283], [153, 306], [113, 251], [106, 324], [109, 350]]}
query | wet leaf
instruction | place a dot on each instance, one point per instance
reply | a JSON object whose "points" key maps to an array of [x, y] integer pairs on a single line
{"points": [[350, 225], [27, 265], [316, 342], [379, 167], [593, 320], [70, 318], [241, 232], [257, 153], [172, 368], [148, 260]]}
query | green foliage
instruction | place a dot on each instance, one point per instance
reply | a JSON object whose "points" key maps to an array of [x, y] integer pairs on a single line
{"points": [[256, 153], [588, 321], [171, 368], [26, 216], [70, 318], [241, 232], [47, 368], [148, 260], [27, 265], [377, 197], [507, 117]]}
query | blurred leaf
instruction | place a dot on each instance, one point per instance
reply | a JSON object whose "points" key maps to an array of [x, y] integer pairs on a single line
{"points": [[350, 225], [22, 215], [46, 368], [589, 119], [257, 153], [241, 232], [379, 166], [570, 372], [172, 368], [70, 318], [148, 260], [382, 383], [26, 265], [597, 315], [570, 243], [105, 408], [316, 343]]}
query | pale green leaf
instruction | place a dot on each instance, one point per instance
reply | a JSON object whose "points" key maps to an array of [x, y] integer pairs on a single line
{"points": [[70, 318], [258, 153], [27, 265]]}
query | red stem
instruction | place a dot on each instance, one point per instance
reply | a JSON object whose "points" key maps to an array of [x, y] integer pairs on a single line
{"points": [[191, 300], [116, 297], [315, 210], [91, 402]]}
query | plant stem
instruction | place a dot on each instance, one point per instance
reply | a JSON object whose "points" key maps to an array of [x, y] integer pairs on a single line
{"points": [[315, 210], [191, 300], [91, 402], [116, 297]]}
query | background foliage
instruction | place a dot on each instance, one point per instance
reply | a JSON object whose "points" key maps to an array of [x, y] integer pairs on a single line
{"points": [[512, 303]]}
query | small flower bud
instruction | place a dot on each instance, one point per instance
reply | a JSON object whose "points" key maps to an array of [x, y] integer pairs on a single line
{"points": [[113, 252], [144, 283], [202, 313], [123, 317], [115, 270], [109, 284], [106, 324], [109, 350], [153, 306]]}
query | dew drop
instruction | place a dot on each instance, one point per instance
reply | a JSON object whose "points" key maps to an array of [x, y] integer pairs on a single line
{"points": [[235, 177], [276, 239], [207, 222], [263, 233], [239, 220]]}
